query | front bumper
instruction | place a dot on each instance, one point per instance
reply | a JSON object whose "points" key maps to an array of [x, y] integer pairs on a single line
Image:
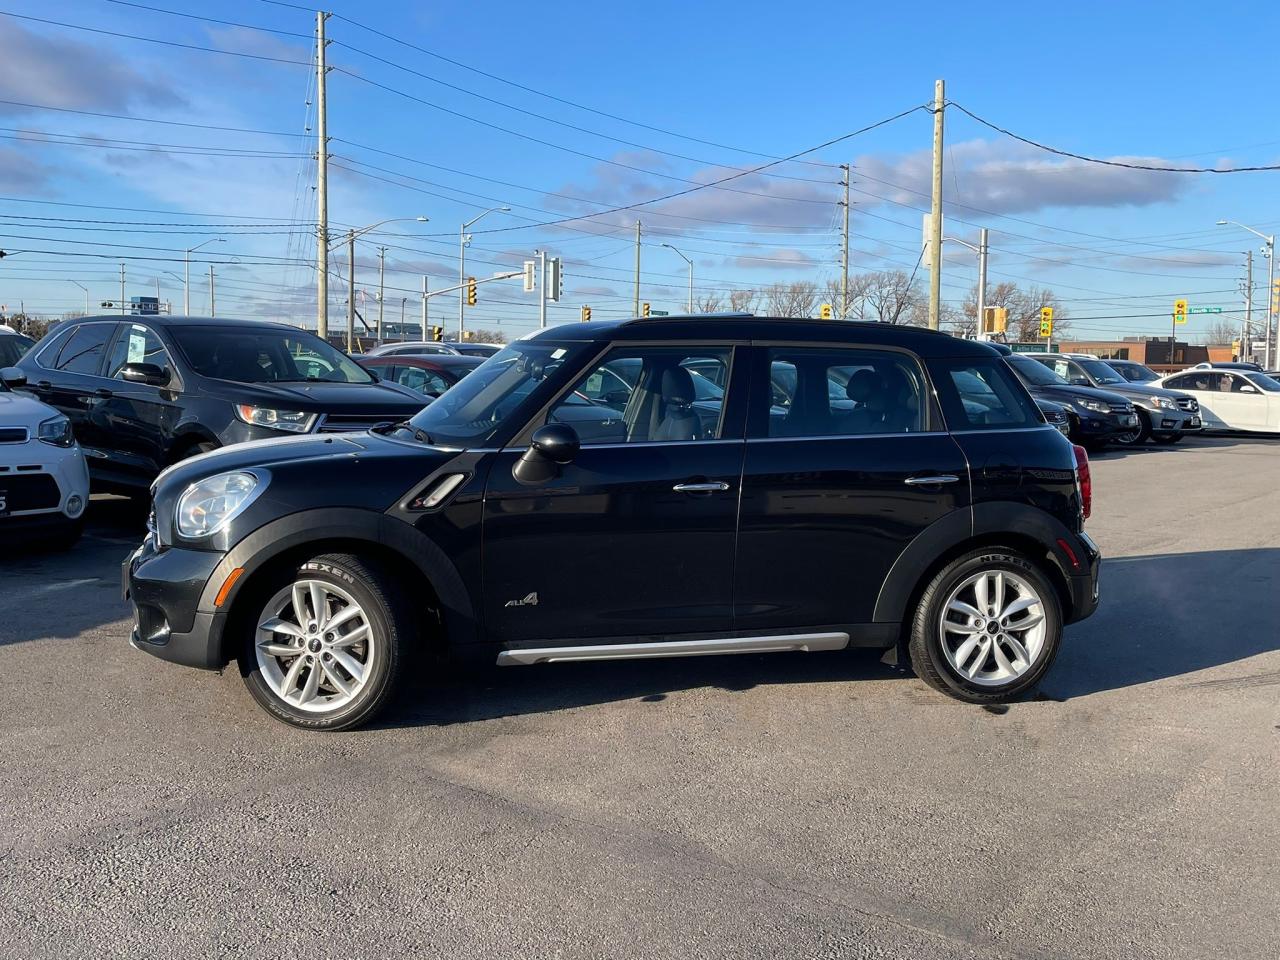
{"points": [[1100, 426], [1166, 422], [165, 587]]}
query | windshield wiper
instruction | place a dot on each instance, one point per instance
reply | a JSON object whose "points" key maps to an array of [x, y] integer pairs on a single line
{"points": [[418, 433]]}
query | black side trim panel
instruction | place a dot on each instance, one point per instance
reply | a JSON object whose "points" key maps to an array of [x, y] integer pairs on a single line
{"points": [[941, 535]]}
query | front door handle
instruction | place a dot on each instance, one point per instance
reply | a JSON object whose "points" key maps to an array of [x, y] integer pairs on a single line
{"points": [[933, 480], [717, 487], [44, 385]]}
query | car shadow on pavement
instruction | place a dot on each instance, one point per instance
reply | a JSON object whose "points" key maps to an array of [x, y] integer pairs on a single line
{"points": [[1170, 615]]}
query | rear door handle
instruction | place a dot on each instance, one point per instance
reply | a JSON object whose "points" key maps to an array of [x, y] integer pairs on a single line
{"points": [[718, 487], [933, 480]]}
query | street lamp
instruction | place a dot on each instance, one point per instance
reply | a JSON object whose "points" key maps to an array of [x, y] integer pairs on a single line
{"points": [[690, 263], [981, 250], [186, 283], [464, 238], [86, 294], [1268, 251], [351, 270]]}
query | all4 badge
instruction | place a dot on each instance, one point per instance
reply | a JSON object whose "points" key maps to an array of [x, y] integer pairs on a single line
{"points": [[528, 600]]}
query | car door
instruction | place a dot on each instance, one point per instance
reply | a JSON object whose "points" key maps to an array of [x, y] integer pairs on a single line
{"points": [[1247, 402], [1203, 385], [137, 417], [833, 492], [69, 379], [635, 537]]}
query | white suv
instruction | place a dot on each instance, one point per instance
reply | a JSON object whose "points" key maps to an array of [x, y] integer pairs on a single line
{"points": [[44, 482]]}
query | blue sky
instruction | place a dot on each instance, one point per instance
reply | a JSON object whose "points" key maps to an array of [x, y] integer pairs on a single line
{"points": [[696, 92]]}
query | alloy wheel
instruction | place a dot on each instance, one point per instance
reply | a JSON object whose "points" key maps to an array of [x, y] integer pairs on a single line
{"points": [[314, 646], [993, 628]]}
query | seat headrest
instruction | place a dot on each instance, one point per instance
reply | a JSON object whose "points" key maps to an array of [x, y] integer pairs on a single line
{"points": [[677, 386], [862, 386]]}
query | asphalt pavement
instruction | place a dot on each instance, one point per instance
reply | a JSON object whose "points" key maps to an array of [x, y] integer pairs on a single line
{"points": [[758, 806]]}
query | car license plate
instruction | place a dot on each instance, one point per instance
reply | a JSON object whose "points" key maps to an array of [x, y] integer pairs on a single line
{"points": [[1130, 421], [4, 503]]}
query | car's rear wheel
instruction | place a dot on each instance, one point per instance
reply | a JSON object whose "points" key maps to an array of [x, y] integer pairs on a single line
{"points": [[987, 627], [1138, 435], [325, 647]]}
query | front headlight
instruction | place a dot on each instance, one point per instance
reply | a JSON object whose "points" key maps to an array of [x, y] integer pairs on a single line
{"points": [[208, 505], [1097, 406], [1164, 403], [288, 420], [56, 430]]}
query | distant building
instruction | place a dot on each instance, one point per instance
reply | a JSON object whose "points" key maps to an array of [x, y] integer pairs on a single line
{"points": [[1152, 351]]}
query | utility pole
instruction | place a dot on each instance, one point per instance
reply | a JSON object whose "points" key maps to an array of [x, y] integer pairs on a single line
{"points": [[542, 289], [1245, 351], [122, 286], [637, 300], [424, 309], [935, 225], [1271, 302], [382, 273], [213, 308], [844, 261], [322, 185], [982, 283], [157, 292], [351, 291]]}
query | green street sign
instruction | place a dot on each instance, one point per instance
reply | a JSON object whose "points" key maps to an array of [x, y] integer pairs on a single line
{"points": [[1031, 348], [1205, 310], [659, 313]]}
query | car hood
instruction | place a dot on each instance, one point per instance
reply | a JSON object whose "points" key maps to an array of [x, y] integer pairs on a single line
{"points": [[23, 410], [324, 397], [1141, 391], [1063, 393]]}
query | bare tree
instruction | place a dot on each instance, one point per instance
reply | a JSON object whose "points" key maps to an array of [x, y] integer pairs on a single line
{"points": [[488, 336], [743, 300], [1024, 311], [796, 299], [1221, 332], [888, 296], [708, 302]]}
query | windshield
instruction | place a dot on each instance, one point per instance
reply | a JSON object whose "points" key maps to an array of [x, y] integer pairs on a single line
{"points": [[470, 412], [1034, 372], [1100, 372], [267, 355], [1270, 384], [1135, 372]]}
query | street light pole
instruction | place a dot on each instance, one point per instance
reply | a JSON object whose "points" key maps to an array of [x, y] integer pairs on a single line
{"points": [[981, 251], [1268, 251], [186, 283], [464, 239], [382, 276], [690, 263], [351, 259], [86, 294]]}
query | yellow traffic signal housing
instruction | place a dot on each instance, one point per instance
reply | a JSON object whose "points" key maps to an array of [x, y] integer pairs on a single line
{"points": [[437, 334], [995, 319], [1046, 321], [825, 312], [586, 313], [645, 310], [471, 291]]}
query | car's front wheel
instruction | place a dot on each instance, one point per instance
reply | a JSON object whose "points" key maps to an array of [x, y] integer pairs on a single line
{"points": [[1138, 435], [987, 627], [325, 647]]}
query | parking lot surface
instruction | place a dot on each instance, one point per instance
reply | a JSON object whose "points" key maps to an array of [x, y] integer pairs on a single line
{"points": [[755, 806]]}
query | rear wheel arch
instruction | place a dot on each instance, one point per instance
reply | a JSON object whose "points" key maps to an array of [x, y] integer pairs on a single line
{"points": [[188, 444]]}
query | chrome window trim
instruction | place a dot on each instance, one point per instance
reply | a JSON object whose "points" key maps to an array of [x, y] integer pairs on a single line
{"points": [[853, 436], [60, 337]]}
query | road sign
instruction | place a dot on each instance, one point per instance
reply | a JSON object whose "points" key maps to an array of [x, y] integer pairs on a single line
{"points": [[1205, 310], [659, 313], [1032, 348]]}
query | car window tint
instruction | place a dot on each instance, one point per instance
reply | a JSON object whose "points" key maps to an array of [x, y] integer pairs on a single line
{"points": [[982, 395], [828, 392], [82, 353], [653, 394], [12, 347], [136, 344]]}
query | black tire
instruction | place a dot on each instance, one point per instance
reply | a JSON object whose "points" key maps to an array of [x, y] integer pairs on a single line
{"points": [[190, 450], [1168, 438], [387, 613], [66, 536], [925, 645], [1137, 438]]}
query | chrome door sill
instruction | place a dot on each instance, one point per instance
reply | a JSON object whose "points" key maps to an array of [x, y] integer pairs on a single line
{"points": [[795, 642]]}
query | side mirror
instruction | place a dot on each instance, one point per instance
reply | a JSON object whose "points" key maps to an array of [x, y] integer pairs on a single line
{"points": [[1080, 382], [1248, 389], [551, 446], [148, 373], [13, 377]]}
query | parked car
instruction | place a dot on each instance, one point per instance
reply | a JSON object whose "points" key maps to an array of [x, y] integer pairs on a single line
{"points": [[1096, 416], [1055, 414], [416, 348], [44, 483], [489, 528], [470, 348], [428, 374], [1228, 365], [13, 345], [1231, 399], [1163, 415], [144, 392], [1133, 371]]}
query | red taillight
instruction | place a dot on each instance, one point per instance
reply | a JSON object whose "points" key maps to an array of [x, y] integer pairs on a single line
{"points": [[1084, 480]]}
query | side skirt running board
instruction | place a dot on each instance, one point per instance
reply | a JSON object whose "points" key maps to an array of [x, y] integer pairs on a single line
{"points": [[805, 642]]}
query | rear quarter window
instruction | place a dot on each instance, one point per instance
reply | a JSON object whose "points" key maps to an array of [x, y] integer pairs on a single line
{"points": [[982, 395]]}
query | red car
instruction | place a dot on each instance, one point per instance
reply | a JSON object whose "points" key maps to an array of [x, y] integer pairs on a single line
{"points": [[430, 374]]}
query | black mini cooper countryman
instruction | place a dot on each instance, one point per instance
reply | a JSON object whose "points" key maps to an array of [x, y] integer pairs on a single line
{"points": [[651, 488]]}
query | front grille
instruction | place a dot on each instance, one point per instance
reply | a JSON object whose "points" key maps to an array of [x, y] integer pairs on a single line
{"points": [[1056, 416], [1189, 404], [1122, 408], [14, 435], [352, 422], [29, 491]]}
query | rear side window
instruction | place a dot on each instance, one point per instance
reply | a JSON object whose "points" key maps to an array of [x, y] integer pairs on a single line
{"points": [[82, 353], [982, 395]]}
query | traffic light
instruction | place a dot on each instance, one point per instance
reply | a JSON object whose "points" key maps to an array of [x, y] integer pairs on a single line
{"points": [[995, 319], [437, 334], [1046, 321], [1179, 311], [586, 313], [644, 311], [555, 280], [825, 312], [471, 291]]}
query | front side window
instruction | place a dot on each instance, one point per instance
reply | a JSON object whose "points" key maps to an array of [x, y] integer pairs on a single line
{"points": [[82, 351], [1263, 382], [264, 355], [1033, 372], [982, 395], [1136, 373], [648, 395], [136, 344], [831, 392], [1101, 372]]}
